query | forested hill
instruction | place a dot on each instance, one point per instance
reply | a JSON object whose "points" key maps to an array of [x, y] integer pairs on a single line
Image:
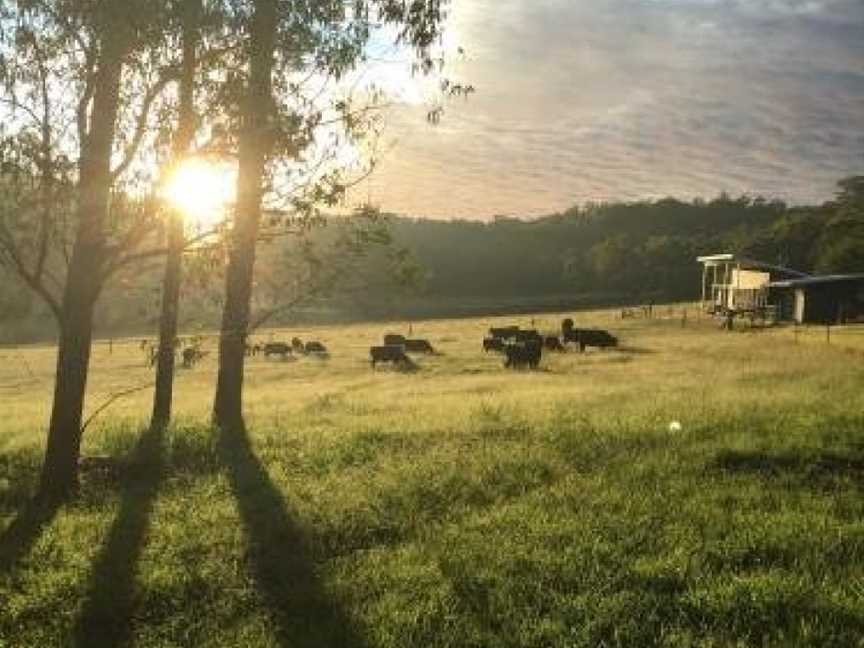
{"points": [[589, 255], [631, 252]]}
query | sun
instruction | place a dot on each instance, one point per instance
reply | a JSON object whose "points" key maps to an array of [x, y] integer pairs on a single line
{"points": [[202, 191]]}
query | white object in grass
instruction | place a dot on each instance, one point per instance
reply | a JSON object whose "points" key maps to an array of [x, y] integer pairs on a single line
{"points": [[675, 426]]}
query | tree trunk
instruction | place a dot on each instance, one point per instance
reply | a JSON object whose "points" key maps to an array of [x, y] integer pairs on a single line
{"points": [[165, 363], [84, 279], [255, 146], [164, 392]]}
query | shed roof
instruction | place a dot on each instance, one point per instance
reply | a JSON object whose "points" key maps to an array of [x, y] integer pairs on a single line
{"points": [[812, 281], [719, 259]]}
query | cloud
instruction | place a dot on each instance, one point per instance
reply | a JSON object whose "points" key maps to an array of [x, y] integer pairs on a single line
{"points": [[624, 99]]}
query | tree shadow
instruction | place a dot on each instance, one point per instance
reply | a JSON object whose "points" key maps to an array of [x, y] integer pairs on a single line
{"points": [[24, 531], [283, 569], [21, 469], [815, 469], [106, 616]]}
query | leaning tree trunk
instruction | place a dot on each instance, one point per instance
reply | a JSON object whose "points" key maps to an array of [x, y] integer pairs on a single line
{"points": [[60, 470], [255, 146], [174, 262]]}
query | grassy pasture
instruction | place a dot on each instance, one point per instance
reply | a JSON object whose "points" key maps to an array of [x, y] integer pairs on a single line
{"points": [[458, 505]]}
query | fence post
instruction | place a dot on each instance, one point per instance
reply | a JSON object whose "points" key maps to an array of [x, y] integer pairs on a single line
{"points": [[828, 333]]}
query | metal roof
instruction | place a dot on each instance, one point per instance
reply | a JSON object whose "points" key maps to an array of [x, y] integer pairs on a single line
{"points": [[810, 281], [718, 259]]}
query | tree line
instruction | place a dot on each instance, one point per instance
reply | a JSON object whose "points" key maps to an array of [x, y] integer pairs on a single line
{"points": [[593, 254]]}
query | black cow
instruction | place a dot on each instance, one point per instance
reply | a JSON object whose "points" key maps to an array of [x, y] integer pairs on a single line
{"points": [[297, 345], [252, 350], [590, 337], [313, 346], [553, 343], [493, 344], [394, 353], [520, 355], [418, 346], [280, 349], [191, 356], [394, 338], [529, 334], [503, 332]]}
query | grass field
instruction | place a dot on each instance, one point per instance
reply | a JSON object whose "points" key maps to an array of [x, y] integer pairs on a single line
{"points": [[458, 505]]}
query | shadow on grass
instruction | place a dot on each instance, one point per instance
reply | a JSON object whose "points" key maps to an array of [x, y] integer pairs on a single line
{"points": [[815, 468], [21, 469], [106, 616], [24, 531], [299, 607]]}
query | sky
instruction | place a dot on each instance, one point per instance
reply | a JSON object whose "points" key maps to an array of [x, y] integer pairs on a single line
{"points": [[592, 100]]}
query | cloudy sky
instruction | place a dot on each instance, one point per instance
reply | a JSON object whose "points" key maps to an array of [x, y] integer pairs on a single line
{"points": [[584, 100]]}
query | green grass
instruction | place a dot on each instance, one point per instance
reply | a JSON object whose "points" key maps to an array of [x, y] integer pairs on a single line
{"points": [[459, 505]]}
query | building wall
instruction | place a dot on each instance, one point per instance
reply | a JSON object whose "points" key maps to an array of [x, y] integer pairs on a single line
{"points": [[749, 279]]}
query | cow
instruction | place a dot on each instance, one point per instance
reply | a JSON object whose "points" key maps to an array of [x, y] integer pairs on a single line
{"points": [[393, 338], [191, 356], [590, 337], [280, 349], [297, 345], [493, 344], [313, 346], [503, 332], [252, 350], [552, 343], [525, 335], [525, 354], [394, 353], [418, 346]]}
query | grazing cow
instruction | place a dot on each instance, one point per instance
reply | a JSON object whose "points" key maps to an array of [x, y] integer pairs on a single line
{"points": [[280, 349], [394, 353], [191, 356], [297, 345], [520, 355], [530, 334], [418, 346], [394, 338], [553, 343], [590, 337], [503, 332], [313, 346], [493, 344]]}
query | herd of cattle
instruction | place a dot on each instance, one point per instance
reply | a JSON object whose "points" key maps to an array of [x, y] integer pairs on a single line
{"points": [[284, 350], [520, 347], [524, 347]]}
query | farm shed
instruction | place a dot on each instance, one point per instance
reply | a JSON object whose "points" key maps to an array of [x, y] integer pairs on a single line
{"points": [[740, 286], [820, 299]]}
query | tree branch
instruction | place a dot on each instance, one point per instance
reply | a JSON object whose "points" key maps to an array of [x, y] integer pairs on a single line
{"points": [[110, 400], [168, 75]]}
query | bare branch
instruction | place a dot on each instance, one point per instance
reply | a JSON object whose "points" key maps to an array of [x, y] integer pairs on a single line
{"points": [[110, 401], [168, 75]]}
